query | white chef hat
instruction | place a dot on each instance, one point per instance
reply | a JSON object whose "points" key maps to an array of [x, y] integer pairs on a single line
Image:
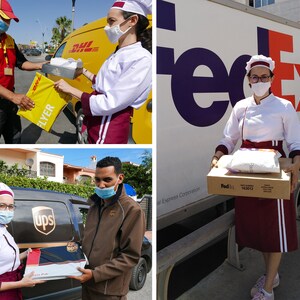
{"points": [[141, 7], [6, 190], [260, 61]]}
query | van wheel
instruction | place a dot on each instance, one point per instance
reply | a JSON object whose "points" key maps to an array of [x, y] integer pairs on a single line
{"points": [[81, 134], [139, 275]]}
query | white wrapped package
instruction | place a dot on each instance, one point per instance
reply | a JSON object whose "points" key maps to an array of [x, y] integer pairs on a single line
{"points": [[66, 63], [252, 160]]}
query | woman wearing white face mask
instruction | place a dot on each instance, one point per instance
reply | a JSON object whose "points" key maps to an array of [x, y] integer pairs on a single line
{"points": [[124, 80], [11, 280], [264, 121]]}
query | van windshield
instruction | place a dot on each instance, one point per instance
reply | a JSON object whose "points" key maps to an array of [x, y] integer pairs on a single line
{"points": [[60, 50]]}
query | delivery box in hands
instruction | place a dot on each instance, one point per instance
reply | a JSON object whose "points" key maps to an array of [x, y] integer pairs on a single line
{"points": [[221, 181], [68, 68], [55, 262]]}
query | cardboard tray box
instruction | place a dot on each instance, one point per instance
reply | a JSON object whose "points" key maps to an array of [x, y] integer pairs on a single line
{"points": [[61, 71], [220, 181]]}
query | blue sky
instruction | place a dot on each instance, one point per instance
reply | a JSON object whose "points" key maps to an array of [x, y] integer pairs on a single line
{"points": [[82, 156], [37, 16]]}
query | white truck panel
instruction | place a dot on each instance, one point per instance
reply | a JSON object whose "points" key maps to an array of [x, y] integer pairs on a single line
{"points": [[209, 36]]}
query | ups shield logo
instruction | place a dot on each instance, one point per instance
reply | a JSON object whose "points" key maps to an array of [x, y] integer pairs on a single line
{"points": [[43, 219]]}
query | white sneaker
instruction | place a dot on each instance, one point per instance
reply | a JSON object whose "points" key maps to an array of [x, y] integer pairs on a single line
{"points": [[262, 296], [261, 282]]}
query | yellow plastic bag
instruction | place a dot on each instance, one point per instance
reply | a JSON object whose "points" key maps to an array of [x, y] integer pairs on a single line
{"points": [[48, 102]]}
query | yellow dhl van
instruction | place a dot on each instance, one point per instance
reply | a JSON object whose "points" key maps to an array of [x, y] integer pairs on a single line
{"points": [[91, 45]]}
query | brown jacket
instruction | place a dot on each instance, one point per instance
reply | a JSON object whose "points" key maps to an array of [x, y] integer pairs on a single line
{"points": [[112, 242]]}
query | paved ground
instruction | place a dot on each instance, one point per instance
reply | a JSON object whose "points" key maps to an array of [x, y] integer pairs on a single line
{"points": [[145, 293], [228, 283]]}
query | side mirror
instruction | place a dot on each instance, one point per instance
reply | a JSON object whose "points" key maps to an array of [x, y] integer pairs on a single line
{"points": [[48, 57]]}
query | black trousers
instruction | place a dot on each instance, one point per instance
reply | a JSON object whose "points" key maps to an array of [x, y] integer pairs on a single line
{"points": [[10, 122]]}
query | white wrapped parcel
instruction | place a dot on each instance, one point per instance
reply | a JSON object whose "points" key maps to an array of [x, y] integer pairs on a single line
{"points": [[67, 63], [252, 160], [68, 68]]}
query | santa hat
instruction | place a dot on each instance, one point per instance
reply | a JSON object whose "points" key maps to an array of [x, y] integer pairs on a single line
{"points": [[260, 61], [141, 7], [5, 190], [6, 11]]}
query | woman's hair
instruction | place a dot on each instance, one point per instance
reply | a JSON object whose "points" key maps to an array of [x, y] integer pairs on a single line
{"points": [[144, 34]]}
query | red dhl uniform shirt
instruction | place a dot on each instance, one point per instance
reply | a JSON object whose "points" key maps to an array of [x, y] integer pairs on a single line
{"points": [[13, 58]]}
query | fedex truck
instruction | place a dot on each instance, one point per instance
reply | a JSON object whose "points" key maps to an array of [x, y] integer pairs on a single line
{"points": [[202, 50]]}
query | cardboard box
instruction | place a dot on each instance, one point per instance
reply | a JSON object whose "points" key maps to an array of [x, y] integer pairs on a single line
{"points": [[220, 181], [62, 71]]}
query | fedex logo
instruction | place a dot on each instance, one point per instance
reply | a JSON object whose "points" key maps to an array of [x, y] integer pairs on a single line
{"points": [[184, 84]]}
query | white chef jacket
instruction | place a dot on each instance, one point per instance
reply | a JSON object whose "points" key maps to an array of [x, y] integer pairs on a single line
{"points": [[9, 252], [124, 80], [274, 119]]}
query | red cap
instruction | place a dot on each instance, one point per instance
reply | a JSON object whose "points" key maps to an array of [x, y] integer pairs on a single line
{"points": [[6, 11]]}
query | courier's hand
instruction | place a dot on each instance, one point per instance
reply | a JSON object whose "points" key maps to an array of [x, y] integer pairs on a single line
{"points": [[294, 169], [27, 281], [40, 65], [86, 275], [23, 101]]}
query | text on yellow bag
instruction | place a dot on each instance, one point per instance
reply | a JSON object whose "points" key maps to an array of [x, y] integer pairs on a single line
{"points": [[48, 102]]}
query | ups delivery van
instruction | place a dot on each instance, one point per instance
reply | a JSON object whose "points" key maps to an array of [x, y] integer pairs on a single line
{"points": [[91, 45], [49, 219]]}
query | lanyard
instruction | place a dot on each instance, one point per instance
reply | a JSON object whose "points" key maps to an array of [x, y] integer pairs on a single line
{"points": [[4, 51]]}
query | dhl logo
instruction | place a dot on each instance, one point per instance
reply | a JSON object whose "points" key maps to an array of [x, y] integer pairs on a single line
{"points": [[36, 84], [84, 47]]}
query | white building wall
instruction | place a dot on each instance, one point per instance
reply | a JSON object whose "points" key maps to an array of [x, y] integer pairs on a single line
{"points": [[12, 157], [19, 156], [57, 160]]}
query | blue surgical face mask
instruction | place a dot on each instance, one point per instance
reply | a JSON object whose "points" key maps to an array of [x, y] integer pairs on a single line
{"points": [[6, 216], [106, 193], [3, 26]]}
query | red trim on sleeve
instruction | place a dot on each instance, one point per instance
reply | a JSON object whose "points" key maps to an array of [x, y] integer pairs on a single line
{"points": [[85, 103], [222, 148], [294, 153]]}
